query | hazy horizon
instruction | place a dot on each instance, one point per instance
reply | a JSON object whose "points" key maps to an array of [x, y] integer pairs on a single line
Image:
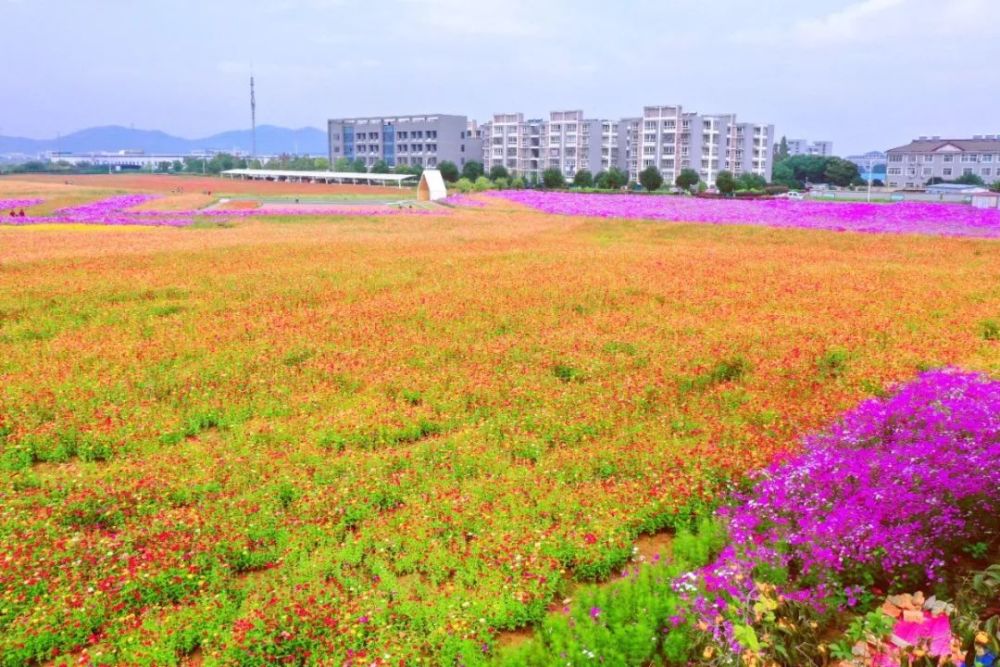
{"points": [[866, 75]]}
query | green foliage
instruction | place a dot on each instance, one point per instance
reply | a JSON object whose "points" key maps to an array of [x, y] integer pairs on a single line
{"points": [[651, 178], [464, 185], [553, 178], [631, 621], [449, 171], [567, 373], [583, 179], [833, 362], [970, 179], [343, 164], [725, 370], [612, 179], [482, 184], [472, 170], [873, 628], [687, 179], [725, 182], [517, 183], [750, 181], [380, 167], [359, 166], [498, 171], [990, 330], [840, 172]]}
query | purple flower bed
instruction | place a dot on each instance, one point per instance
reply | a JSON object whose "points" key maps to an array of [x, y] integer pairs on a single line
{"points": [[115, 211], [887, 496], [895, 218], [11, 204]]}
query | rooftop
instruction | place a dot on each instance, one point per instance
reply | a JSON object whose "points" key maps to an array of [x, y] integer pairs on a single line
{"points": [[931, 144]]}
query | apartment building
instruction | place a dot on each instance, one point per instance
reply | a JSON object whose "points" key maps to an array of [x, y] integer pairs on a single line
{"points": [[519, 145], [665, 137], [806, 147], [619, 140], [573, 143], [673, 140], [424, 140], [659, 142], [923, 159], [751, 149]]}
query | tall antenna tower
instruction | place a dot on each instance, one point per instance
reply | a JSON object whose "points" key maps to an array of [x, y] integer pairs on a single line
{"points": [[253, 122]]}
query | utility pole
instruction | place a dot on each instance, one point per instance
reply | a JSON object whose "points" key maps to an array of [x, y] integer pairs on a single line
{"points": [[253, 122], [871, 161]]}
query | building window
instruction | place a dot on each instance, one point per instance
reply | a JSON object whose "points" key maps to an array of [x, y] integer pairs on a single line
{"points": [[947, 171], [966, 171], [987, 157], [896, 158], [987, 171], [949, 158]]}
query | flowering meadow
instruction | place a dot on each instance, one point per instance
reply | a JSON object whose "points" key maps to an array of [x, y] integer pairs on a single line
{"points": [[394, 440], [895, 218]]}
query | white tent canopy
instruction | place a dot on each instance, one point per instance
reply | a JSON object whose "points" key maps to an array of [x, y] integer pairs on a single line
{"points": [[318, 176], [431, 187]]}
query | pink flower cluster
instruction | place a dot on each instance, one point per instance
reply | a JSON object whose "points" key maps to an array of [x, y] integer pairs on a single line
{"points": [[115, 211], [895, 218], [11, 204], [890, 494]]}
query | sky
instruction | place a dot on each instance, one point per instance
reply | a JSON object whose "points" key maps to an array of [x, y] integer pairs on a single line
{"points": [[866, 74]]}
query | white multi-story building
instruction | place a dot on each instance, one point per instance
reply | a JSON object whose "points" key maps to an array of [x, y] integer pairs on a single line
{"points": [[573, 143], [806, 147], [673, 140], [926, 158], [517, 144], [665, 137]]}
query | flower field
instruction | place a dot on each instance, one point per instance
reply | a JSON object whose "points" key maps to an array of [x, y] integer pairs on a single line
{"points": [[387, 440], [895, 218]]}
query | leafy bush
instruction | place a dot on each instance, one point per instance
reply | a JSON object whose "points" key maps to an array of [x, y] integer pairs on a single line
{"points": [[553, 178]]}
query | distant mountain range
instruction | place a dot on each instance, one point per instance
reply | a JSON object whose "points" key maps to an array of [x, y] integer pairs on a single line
{"points": [[271, 140]]}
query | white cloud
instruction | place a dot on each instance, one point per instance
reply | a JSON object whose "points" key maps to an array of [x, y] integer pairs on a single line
{"points": [[882, 23], [513, 18]]}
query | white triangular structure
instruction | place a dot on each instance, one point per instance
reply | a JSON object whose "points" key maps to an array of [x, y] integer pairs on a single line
{"points": [[431, 186]]}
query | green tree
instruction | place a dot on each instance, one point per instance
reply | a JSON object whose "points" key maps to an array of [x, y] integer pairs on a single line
{"points": [[498, 171], [687, 179], [343, 164], [517, 183], [463, 185], [553, 178], [750, 181], [321, 164], [970, 179], [177, 165], [840, 172], [995, 187], [380, 167], [651, 178], [617, 178], [449, 171], [583, 179], [725, 182], [481, 184], [358, 166], [472, 170], [781, 150]]}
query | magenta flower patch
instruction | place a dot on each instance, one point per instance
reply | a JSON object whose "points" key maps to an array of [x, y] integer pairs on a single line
{"points": [[895, 218]]}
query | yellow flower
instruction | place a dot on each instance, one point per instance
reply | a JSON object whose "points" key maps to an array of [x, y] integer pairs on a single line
{"points": [[708, 652], [982, 638]]}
